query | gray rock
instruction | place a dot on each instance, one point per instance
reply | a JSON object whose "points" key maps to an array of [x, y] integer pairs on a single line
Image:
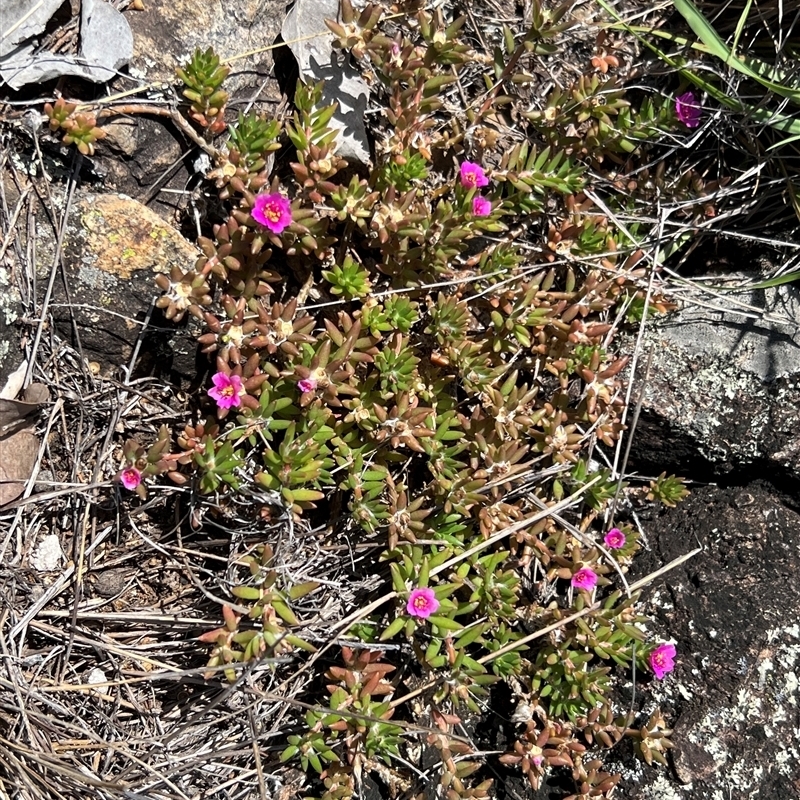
{"points": [[10, 298], [106, 37], [343, 83], [723, 387], [166, 35], [111, 582], [721, 397], [113, 248], [10, 305], [122, 135], [23, 19], [767, 348], [48, 554], [692, 762], [106, 45]]}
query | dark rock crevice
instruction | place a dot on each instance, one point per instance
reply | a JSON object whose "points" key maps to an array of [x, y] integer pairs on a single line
{"points": [[660, 445]]}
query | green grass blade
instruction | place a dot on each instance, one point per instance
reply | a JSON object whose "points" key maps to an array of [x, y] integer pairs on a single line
{"points": [[740, 26], [703, 29], [770, 283], [784, 124], [753, 68], [783, 142]]}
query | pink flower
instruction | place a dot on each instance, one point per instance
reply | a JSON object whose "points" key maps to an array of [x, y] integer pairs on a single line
{"points": [[422, 603], [306, 385], [615, 539], [227, 390], [272, 211], [585, 579], [688, 110], [472, 176], [481, 207], [662, 660], [130, 478]]}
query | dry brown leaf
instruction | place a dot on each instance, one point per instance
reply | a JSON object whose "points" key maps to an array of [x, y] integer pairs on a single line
{"points": [[15, 412], [19, 446], [18, 454]]}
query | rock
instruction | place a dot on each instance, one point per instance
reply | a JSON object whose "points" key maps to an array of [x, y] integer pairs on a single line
{"points": [[18, 453], [734, 696], [113, 248], [111, 582], [11, 270], [106, 37], [106, 44], [767, 348], [48, 554], [692, 762], [152, 161], [10, 307], [95, 675], [722, 388], [116, 237], [231, 27], [343, 83], [122, 135], [157, 151], [24, 19], [721, 403]]}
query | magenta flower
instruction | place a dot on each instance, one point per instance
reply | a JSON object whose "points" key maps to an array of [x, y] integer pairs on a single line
{"points": [[130, 478], [481, 207], [472, 176], [306, 385], [422, 603], [614, 539], [688, 109], [272, 211], [585, 579], [662, 660], [227, 390]]}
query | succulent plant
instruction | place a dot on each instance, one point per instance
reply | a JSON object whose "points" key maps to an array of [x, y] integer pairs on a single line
{"points": [[80, 127], [419, 355], [203, 76]]}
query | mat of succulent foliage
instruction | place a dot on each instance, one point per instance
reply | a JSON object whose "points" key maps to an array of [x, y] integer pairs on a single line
{"points": [[401, 486]]}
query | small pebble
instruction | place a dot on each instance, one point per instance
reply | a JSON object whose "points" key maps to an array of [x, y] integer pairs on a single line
{"points": [[111, 582], [96, 675], [48, 554]]}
